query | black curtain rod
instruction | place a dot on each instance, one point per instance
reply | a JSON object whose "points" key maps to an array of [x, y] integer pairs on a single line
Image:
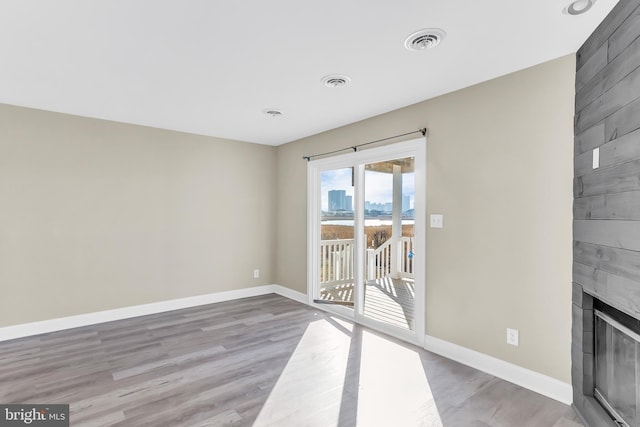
{"points": [[423, 131]]}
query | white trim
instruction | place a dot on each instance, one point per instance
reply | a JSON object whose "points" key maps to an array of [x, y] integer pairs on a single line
{"points": [[420, 237], [313, 230], [416, 148], [547, 386], [534, 381], [290, 293], [62, 323]]}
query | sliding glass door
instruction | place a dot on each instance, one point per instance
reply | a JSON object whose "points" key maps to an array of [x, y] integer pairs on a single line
{"points": [[389, 219], [366, 237], [337, 238]]}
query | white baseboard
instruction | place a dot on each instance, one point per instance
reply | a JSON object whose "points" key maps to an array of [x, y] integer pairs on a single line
{"points": [[291, 294], [62, 323], [534, 381], [547, 386]]}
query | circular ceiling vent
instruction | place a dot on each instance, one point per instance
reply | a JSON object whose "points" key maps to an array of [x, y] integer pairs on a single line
{"points": [[272, 112], [578, 7], [336, 80], [425, 39]]}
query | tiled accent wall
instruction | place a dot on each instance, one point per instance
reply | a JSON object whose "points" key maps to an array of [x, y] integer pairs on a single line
{"points": [[606, 256]]}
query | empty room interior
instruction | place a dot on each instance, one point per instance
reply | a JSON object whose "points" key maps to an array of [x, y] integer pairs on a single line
{"points": [[409, 213]]}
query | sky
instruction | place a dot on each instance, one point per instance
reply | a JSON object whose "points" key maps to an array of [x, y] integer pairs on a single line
{"points": [[377, 186]]}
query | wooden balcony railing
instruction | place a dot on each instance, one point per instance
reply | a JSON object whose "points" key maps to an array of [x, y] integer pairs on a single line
{"points": [[379, 262], [337, 260]]}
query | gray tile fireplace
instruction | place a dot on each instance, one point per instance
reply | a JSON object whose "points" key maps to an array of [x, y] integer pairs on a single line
{"points": [[606, 230]]}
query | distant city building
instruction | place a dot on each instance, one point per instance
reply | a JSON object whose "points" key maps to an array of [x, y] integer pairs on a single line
{"points": [[340, 201], [406, 202], [337, 200], [380, 207]]}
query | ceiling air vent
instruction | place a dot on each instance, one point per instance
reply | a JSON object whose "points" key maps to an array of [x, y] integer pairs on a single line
{"points": [[336, 80], [424, 39]]}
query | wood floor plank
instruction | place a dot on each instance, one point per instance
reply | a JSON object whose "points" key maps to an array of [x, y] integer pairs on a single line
{"points": [[262, 361]]}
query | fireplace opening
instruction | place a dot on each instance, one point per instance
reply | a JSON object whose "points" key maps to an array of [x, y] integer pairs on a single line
{"points": [[617, 363]]}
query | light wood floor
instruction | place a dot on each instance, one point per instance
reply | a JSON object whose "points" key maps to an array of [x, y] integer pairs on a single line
{"points": [[263, 361]]}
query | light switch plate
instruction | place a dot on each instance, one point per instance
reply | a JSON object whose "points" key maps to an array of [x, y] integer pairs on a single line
{"points": [[596, 158], [437, 221]]}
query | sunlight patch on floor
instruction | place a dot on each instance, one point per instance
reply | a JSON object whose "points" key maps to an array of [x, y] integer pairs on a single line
{"points": [[309, 390], [394, 390]]}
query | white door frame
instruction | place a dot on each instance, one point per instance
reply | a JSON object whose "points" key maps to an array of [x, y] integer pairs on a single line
{"points": [[416, 148]]}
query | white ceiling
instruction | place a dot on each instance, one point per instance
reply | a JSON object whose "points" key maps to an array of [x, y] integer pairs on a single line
{"points": [[211, 66]]}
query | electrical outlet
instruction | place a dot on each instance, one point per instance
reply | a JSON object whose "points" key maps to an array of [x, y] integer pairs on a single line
{"points": [[512, 337], [437, 221], [256, 274]]}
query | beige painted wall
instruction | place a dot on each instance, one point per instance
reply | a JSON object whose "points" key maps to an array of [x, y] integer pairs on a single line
{"points": [[500, 170], [97, 215]]}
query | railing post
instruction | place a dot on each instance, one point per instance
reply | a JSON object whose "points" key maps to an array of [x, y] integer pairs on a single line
{"points": [[399, 252], [396, 225], [371, 264], [410, 261], [336, 262]]}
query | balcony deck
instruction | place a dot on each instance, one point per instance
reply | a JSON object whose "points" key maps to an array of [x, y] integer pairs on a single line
{"points": [[387, 300]]}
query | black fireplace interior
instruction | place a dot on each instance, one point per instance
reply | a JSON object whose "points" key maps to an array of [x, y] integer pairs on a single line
{"points": [[617, 363]]}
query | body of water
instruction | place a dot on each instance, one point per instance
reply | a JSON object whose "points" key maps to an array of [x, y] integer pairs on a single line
{"points": [[367, 222]]}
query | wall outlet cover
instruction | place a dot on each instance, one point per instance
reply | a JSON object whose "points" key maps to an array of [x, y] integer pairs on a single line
{"points": [[513, 337], [437, 221]]}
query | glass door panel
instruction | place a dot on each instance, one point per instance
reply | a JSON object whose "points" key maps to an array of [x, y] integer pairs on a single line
{"points": [[366, 254], [389, 286], [337, 238]]}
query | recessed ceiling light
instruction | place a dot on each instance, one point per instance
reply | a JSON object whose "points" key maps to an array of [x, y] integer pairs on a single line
{"points": [[579, 7], [424, 39], [272, 112], [336, 80]]}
